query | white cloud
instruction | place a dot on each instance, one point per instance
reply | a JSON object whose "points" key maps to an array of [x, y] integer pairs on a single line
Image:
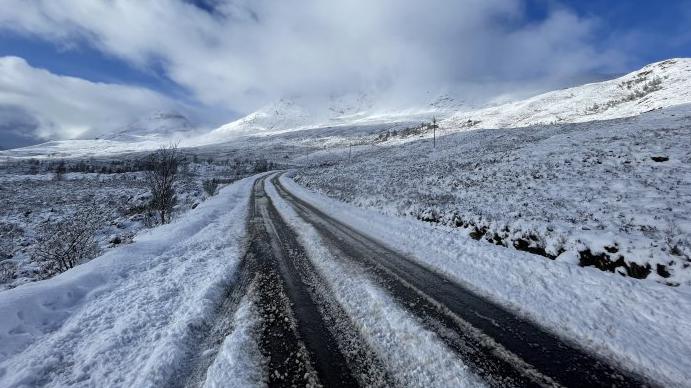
{"points": [[50, 106], [250, 52]]}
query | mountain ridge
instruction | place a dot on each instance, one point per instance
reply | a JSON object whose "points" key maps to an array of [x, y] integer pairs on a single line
{"points": [[657, 85]]}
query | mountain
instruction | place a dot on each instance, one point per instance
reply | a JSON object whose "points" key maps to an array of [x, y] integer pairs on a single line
{"points": [[284, 114], [353, 109], [159, 125], [658, 85]]}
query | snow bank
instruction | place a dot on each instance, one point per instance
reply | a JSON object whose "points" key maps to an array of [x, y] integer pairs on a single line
{"points": [[239, 363], [127, 317], [644, 326]]}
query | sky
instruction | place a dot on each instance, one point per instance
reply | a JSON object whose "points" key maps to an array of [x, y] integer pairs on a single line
{"points": [[84, 68]]}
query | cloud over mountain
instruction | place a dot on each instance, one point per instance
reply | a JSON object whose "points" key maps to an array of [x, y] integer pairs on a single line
{"points": [[241, 54]]}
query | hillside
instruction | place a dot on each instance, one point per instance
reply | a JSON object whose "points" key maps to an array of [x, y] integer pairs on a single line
{"points": [[345, 111], [610, 194], [655, 86]]}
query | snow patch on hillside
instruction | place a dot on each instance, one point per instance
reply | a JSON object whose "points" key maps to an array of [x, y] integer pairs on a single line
{"points": [[611, 194], [658, 85], [345, 111]]}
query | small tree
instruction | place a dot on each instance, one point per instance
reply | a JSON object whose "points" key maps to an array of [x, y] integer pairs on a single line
{"points": [[161, 176]]}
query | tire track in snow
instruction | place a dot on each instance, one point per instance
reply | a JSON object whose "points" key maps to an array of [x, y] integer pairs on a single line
{"points": [[304, 339], [413, 355], [497, 342]]}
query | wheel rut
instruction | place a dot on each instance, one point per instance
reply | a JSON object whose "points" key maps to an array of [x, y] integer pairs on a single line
{"points": [[305, 338]]}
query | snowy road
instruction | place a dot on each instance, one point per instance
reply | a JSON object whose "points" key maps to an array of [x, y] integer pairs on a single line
{"points": [[325, 341], [259, 286]]}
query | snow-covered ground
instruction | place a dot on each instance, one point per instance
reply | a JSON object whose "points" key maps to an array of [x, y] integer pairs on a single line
{"points": [[239, 362], [591, 193], [127, 318], [644, 326], [31, 198]]}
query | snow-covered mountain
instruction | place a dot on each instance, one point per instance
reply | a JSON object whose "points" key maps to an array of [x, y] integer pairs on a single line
{"points": [[159, 125], [281, 115], [360, 108], [658, 85]]}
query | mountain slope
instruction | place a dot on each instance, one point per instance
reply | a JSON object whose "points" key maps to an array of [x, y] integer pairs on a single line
{"points": [[296, 114], [658, 85], [283, 114]]}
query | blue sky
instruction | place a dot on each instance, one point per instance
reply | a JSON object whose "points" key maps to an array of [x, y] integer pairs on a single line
{"points": [[224, 58], [659, 29]]}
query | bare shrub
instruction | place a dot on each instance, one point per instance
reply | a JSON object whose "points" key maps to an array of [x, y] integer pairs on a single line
{"points": [[10, 234], [60, 170], [210, 187], [63, 244], [7, 271], [161, 175]]}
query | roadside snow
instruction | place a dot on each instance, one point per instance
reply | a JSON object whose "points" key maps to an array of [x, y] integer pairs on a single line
{"points": [[117, 198], [413, 355], [126, 318], [645, 326], [239, 363]]}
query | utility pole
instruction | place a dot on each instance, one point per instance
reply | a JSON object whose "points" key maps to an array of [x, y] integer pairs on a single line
{"points": [[350, 151], [434, 132]]}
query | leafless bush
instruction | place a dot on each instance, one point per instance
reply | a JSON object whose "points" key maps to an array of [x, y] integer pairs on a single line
{"points": [[7, 271], [60, 170], [161, 176], [210, 187], [68, 242]]}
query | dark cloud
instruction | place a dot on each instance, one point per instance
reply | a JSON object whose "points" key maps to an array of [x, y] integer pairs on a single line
{"points": [[17, 128]]}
